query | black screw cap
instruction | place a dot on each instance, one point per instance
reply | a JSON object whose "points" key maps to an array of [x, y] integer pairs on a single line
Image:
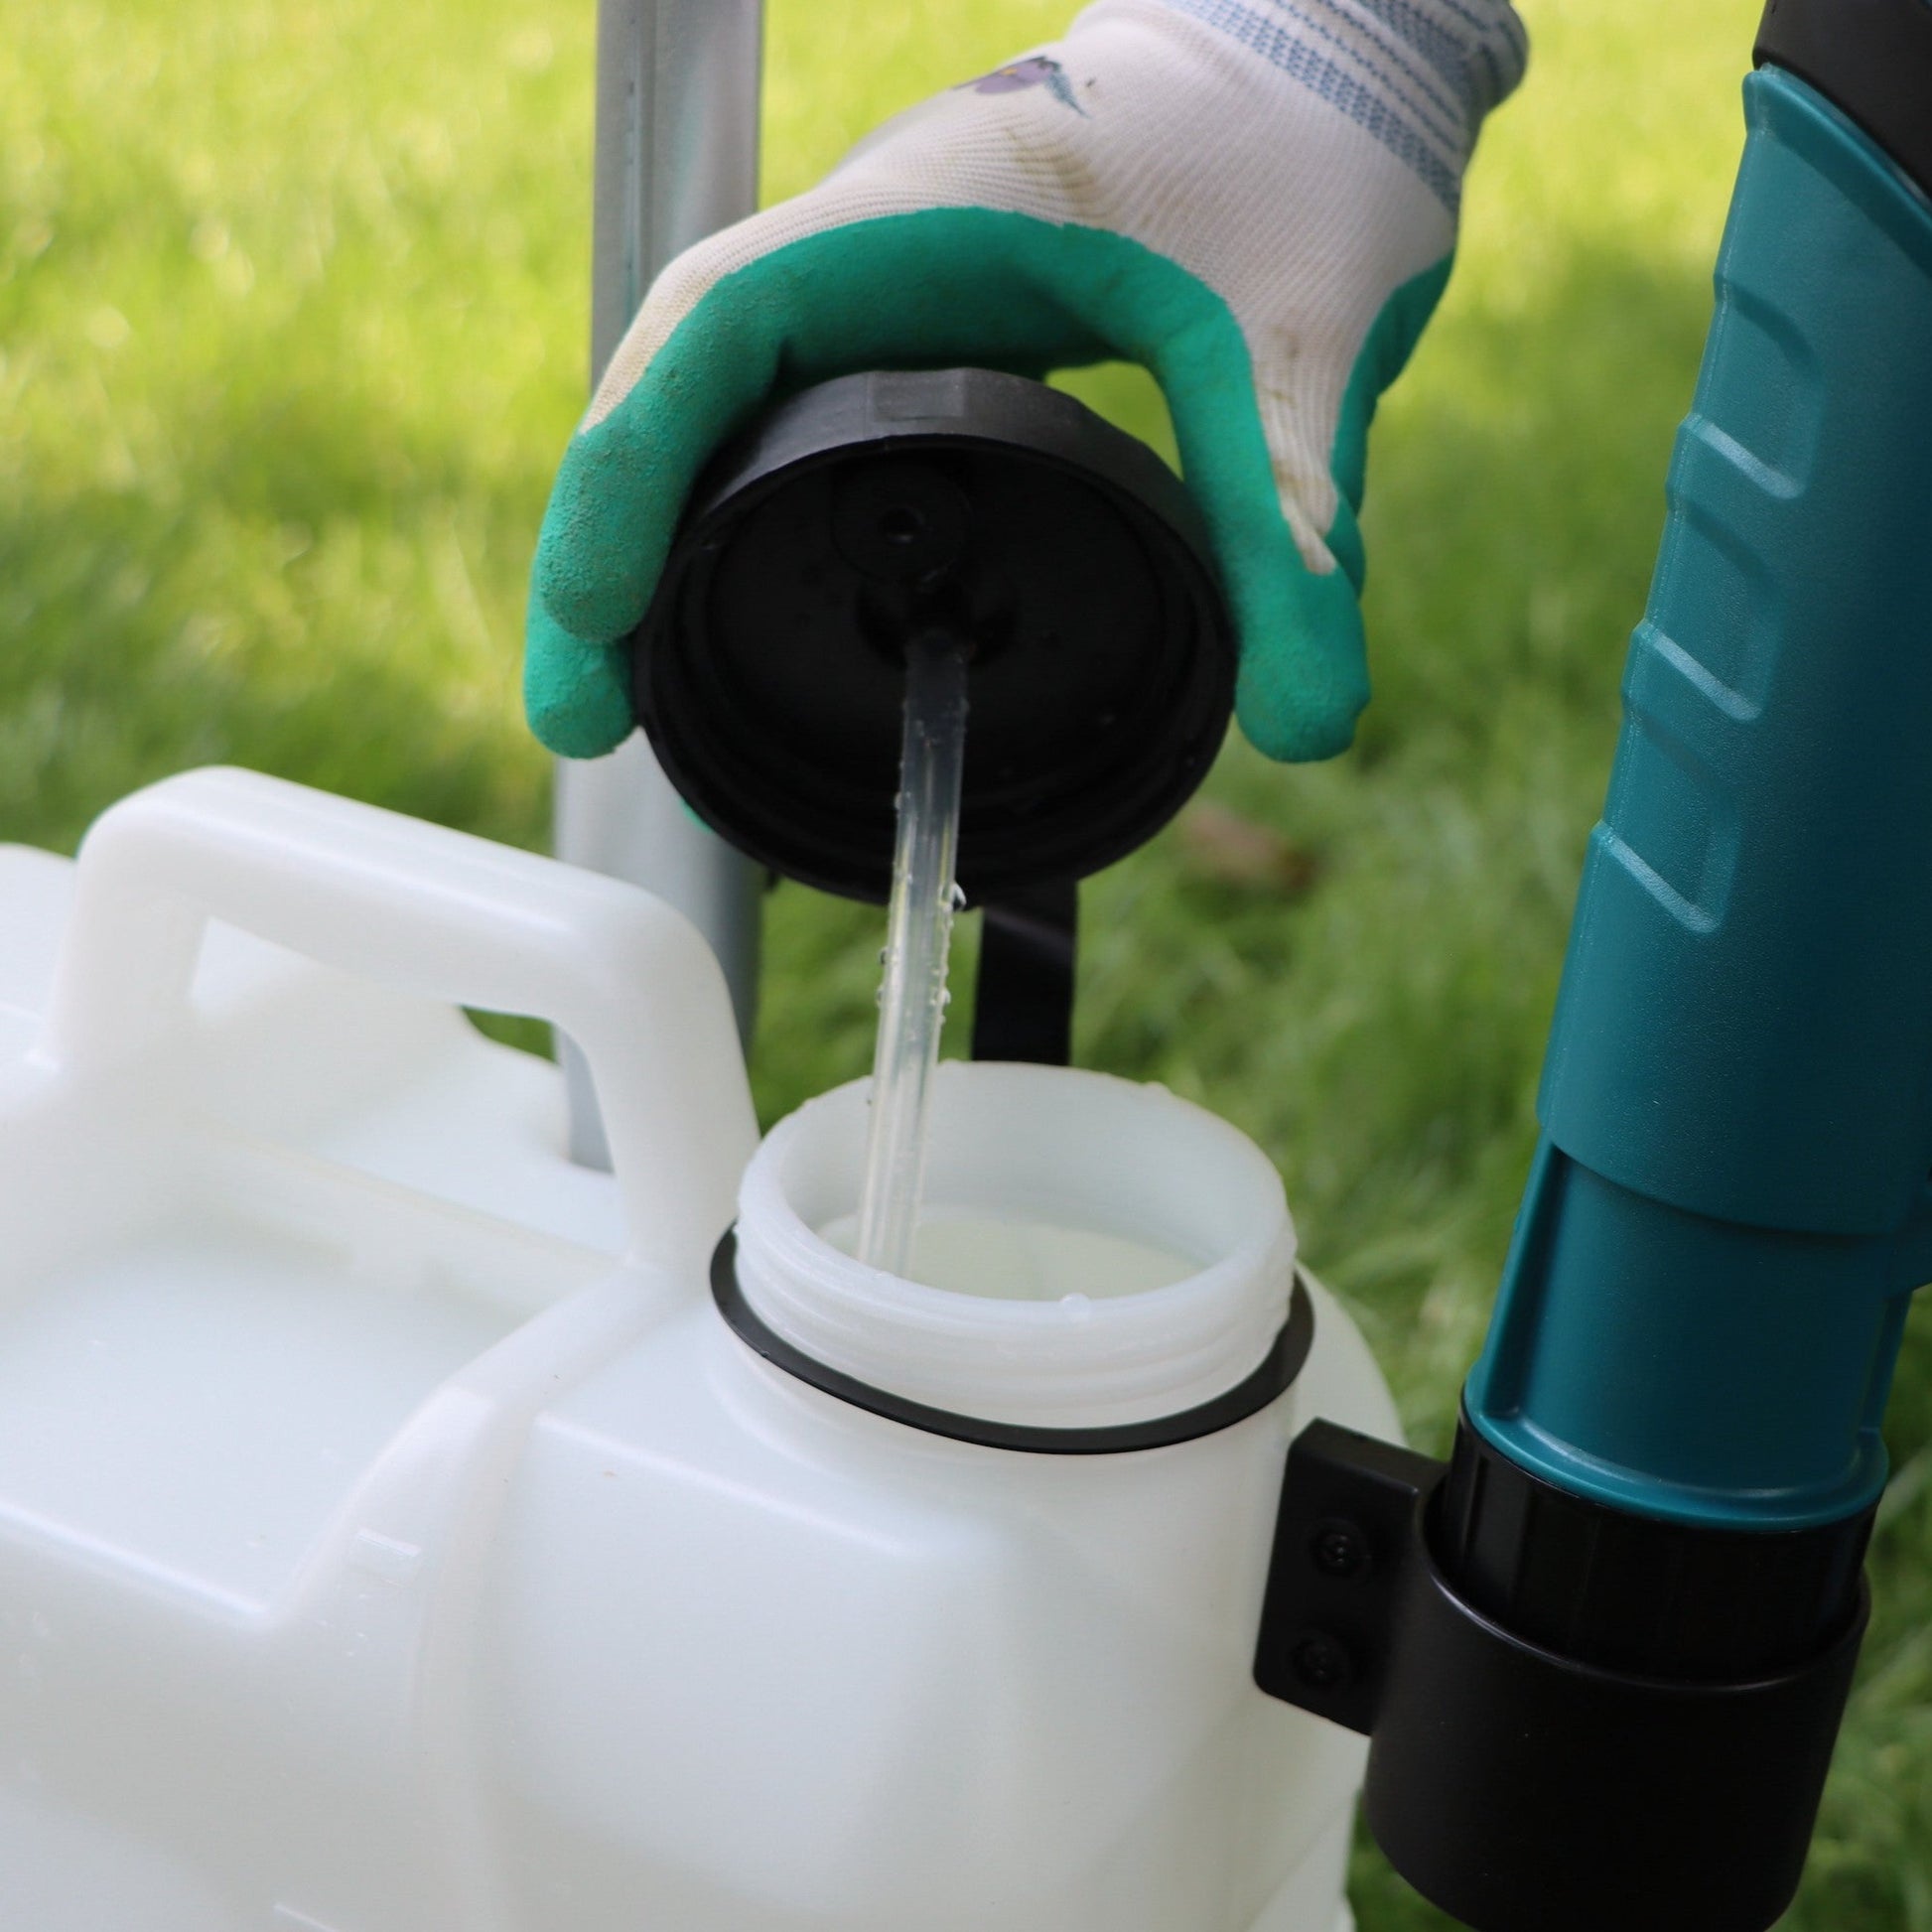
{"points": [[1066, 556]]}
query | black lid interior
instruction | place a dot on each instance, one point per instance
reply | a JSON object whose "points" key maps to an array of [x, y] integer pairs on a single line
{"points": [[1063, 554]]}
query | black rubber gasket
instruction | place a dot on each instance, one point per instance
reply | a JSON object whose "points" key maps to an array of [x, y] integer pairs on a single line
{"points": [[1277, 1373]]}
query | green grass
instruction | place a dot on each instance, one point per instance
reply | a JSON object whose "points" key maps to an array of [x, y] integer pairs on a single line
{"points": [[292, 328]]}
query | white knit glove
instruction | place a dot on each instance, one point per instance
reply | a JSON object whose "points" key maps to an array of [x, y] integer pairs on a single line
{"points": [[1254, 199]]}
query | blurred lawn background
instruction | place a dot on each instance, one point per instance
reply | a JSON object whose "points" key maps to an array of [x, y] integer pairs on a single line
{"points": [[293, 300]]}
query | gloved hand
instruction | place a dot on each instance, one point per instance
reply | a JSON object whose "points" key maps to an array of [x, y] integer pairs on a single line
{"points": [[1254, 199]]}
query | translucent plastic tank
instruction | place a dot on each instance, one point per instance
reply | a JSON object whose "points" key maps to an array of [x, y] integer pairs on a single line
{"points": [[395, 1537]]}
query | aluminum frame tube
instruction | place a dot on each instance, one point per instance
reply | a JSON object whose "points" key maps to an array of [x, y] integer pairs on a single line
{"points": [[678, 93]]}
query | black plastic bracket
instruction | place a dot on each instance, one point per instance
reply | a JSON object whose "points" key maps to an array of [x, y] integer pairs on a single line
{"points": [[1028, 947], [1342, 1537], [1576, 1718]]}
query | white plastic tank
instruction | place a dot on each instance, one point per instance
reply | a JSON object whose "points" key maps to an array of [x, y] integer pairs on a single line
{"points": [[403, 1530]]}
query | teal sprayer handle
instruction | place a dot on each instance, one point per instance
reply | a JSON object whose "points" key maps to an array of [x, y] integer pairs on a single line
{"points": [[1631, 1606], [1731, 1205]]}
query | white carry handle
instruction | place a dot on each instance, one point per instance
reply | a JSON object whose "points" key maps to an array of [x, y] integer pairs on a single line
{"points": [[433, 912]]}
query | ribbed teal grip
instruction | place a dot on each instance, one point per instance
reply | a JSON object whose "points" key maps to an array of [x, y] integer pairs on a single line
{"points": [[1703, 1306]]}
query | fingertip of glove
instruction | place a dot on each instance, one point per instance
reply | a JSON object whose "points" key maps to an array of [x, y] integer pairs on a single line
{"points": [[576, 694], [598, 551], [572, 732], [1301, 732], [1304, 681]]}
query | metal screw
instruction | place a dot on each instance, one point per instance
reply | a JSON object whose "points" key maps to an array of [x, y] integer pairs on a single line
{"points": [[1321, 1662], [1339, 1550]]}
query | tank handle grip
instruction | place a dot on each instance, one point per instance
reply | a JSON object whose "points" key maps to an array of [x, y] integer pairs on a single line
{"points": [[431, 911]]}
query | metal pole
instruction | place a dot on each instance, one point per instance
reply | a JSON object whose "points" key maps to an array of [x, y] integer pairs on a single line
{"points": [[677, 146]]}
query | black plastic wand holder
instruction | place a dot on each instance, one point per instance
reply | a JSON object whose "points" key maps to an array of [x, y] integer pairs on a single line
{"points": [[1530, 1783]]}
